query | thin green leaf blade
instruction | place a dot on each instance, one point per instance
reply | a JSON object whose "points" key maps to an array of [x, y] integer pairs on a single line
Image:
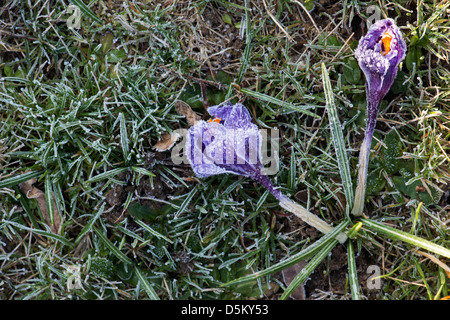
{"points": [[302, 255], [50, 235], [248, 45], [123, 136], [338, 139], [119, 254], [49, 199], [15, 180], [153, 232], [146, 285], [107, 174], [303, 275], [89, 225], [284, 104], [406, 237], [85, 9], [352, 272]]}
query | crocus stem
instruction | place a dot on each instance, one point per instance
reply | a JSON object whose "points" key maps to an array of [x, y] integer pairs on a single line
{"points": [[298, 210], [358, 205], [310, 218]]}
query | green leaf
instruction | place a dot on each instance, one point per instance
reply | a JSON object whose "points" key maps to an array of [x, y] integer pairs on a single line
{"points": [[89, 225], [353, 272], [414, 56], [392, 152], [302, 255], [145, 284], [50, 235], [338, 139], [375, 182], [400, 85], [309, 5], [153, 232], [352, 72], [406, 237], [107, 42], [286, 105], [123, 136], [116, 55], [107, 174], [101, 267], [141, 212], [15, 180], [192, 96], [245, 60], [186, 201], [328, 40], [49, 199], [227, 19], [124, 271], [415, 190], [119, 254]]}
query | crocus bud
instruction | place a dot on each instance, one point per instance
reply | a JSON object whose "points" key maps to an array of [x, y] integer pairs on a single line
{"points": [[379, 54]]}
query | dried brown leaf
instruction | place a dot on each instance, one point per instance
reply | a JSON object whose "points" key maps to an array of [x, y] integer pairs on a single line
{"points": [[185, 110], [288, 276], [31, 192], [166, 141]]}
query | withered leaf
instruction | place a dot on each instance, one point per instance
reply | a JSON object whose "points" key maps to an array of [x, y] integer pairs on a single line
{"points": [[288, 276], [31, 192], [185, 110], [166, 141]]}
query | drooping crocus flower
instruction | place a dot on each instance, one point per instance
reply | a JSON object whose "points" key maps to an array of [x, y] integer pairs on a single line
{"points": [[379, 54], [229, 143]]}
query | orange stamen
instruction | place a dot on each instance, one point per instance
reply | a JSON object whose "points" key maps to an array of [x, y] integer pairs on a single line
{"points": [[386, 44], [217, 120]]}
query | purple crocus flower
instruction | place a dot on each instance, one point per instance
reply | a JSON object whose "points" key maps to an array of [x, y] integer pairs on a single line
{"points": [[379, 54], [231, 143]]}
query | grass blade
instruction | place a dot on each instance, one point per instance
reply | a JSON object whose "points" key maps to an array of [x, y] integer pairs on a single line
{"points": [[303, 275], [147, 286], [302, 255], [248, 45], [123, 136], [406, 237], [352, 272], [85, 9], [89, 225], [119, 254], [338, 139], [49, 199], [186, 202], [107, 174], [50, 235], [284, 104], [15, 180], [153, 232]]}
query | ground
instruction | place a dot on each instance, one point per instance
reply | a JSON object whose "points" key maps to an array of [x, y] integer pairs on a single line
{"points": [[85, 108]]}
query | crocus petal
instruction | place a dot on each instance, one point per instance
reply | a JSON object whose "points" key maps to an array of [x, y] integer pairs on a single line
{"points": [[233, 116], [379, 54], [380, 68], [232, 145]]}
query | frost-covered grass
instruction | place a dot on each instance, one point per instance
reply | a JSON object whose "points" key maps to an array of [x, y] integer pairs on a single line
{"points": [[80, 110]]}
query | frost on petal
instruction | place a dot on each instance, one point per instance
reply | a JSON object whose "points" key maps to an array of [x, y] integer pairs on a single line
{"points": [[232, 116], [379, 54], [231, 145]]}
